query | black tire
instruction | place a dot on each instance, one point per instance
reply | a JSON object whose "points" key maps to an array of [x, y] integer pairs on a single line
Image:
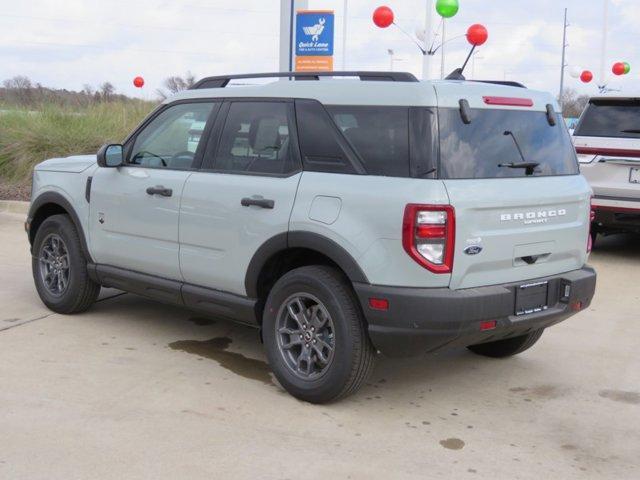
{"points": [[352, 355], [80, 291], [508, 346]]}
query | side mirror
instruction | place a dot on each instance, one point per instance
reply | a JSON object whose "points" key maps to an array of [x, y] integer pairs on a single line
{"points": [[110, 156]]}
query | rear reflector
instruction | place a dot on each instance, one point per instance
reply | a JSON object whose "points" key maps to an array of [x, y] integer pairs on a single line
{"points": [[488, 325], [508, 101], [379, 303], [576, 306]]}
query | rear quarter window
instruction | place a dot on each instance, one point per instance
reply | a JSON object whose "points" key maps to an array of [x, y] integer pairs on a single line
{"points": [[380, 135]]}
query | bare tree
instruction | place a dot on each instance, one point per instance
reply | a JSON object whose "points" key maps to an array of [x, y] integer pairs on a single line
{"points": [[175, 84], [106, 91], [572, 103], [19, 82], [19, 88]]}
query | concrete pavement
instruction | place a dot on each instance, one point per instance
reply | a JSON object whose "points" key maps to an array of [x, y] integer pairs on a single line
{"points": [[136, 390]]}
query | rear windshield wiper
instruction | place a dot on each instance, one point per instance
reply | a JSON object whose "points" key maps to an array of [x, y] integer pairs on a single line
{"points": [[632, 130], [529, 166]]}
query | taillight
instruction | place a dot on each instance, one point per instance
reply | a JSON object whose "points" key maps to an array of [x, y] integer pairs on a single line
{"points": [[428, 235], [592, 218]]}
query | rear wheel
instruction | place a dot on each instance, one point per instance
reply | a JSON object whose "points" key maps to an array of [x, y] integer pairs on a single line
{"points": [[508, 346], [60, 268], [314, 335]]}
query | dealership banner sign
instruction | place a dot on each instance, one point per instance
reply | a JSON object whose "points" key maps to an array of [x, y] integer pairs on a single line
{"points": [[314, 40]]}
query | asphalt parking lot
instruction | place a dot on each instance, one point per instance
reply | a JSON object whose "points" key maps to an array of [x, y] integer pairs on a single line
{"points": [[133, 389]]}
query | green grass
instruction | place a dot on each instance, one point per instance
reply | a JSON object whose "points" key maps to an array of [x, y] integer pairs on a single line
{"points": [[29, 137]]}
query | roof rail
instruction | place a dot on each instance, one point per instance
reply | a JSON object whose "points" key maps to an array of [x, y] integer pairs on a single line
{"points": [[507, 83], [223, 80]]}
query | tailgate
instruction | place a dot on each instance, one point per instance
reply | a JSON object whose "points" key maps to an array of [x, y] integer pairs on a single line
{"points": [[517, 229]]}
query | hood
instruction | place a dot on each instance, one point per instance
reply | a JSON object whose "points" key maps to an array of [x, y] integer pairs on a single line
{"points": [[74, 164]]}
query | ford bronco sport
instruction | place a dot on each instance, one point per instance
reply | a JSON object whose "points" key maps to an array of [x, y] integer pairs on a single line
{"points": [[343, 217], [607, 140]]}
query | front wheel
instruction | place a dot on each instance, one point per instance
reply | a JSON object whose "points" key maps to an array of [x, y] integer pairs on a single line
{"points": [[508, 346], [314, 335], [60, 267]]}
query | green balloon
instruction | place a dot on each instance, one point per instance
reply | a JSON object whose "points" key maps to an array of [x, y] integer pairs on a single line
{"points": [[447, 8], [627, 68]]}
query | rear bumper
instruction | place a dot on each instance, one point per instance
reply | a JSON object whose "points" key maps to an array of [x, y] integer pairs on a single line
{"points": [[617, 214], [421, 320]]}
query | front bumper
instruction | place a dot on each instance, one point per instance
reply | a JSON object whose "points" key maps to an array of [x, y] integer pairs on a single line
{"points": [[420, 320]]}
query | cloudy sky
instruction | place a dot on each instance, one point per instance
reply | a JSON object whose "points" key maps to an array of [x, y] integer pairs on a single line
{"points": [[69, 43]]}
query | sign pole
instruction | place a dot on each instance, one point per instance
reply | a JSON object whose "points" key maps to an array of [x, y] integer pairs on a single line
{"points": [[344, 35], [287, 32]]}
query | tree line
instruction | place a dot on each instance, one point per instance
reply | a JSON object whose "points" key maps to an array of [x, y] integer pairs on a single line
{"points": [[21, 91]]}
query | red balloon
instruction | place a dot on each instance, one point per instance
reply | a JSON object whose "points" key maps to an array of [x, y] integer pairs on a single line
{"points": [[383, 17], [138, 82], [586, 76], [618, 68], [477, 34]]}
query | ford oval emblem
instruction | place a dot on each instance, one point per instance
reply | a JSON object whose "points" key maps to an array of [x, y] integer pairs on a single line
{"points": [[473, 249]]}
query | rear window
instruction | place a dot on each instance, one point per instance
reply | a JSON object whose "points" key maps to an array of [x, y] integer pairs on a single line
{"points": [[610, 118], [380, 135], [476, 150]]}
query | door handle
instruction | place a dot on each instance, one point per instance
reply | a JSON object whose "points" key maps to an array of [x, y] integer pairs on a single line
{"points": [[258, 202], [160, 190]]}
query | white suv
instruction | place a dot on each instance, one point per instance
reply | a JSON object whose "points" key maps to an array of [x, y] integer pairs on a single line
{"points": [[342, 217], [607, 140]]}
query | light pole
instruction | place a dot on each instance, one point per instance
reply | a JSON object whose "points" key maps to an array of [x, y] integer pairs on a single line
{"points": [[390, 52], [564, 53], [605, 20]]}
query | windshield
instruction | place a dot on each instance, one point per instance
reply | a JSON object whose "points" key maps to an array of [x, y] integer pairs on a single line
{"points": [[485, 147], [610, 118]]}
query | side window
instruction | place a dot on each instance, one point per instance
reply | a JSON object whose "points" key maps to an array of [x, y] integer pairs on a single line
{"points": [[256, 139], [322, 149], [380, 135], [172, 138]]}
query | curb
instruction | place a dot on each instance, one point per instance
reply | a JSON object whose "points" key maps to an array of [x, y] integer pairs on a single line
{"points": [[13, 206]]}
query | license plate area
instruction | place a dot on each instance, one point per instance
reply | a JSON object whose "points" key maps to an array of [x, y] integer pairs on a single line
{"points": [[531, 298], [634, 175]]}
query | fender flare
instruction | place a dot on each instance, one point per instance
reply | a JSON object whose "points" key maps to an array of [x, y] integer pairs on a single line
{"points": [[58, 199], [298, 239]]}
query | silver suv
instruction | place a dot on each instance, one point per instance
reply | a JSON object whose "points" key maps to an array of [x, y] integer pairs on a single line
{"points": [[607, 140], [341, 216]]}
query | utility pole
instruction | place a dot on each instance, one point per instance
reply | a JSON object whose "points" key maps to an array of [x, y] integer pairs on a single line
{"points": [[564, 54], [426, 58], [344, 36]]}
